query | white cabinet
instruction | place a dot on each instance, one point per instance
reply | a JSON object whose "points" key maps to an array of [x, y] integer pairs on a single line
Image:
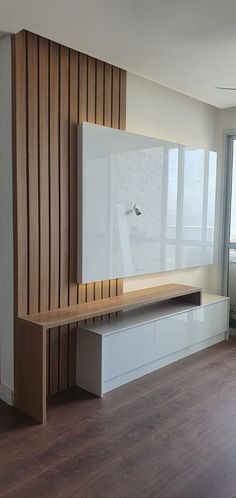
{"points": [[211, 320], [128, 350], [112, 352], [175, 333]]}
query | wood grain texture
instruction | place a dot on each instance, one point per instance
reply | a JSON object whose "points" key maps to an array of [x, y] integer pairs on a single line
{"points": [[44, 172], [20, 178], [170, 434], [54, 89], [54, 237], [133, 299]]}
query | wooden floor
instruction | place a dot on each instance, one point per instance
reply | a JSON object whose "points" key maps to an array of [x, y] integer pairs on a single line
{"points": [[171, 434]]}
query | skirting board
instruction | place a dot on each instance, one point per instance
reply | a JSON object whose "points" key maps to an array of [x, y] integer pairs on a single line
{"points": [[111, 384], [6, 394]]}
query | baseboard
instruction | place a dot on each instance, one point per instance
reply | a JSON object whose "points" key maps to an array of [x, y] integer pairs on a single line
{"points": [[6, 394]]}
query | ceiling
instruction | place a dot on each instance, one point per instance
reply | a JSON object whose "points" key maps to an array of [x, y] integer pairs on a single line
{"points": [[187, 45]]}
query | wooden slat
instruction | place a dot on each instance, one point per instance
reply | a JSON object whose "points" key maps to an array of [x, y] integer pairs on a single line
{"points": [[119, 287], [112, 292], [63, 359], [53, 361], [115, 97], [72, 355], [54, 175], [91, 90], [33, 180], [64, 175], [105, 289], [130, 299], [73, 120], [64, 211], [82, 294], [99, 118], [83, 116], [20, 172], [83, 69], [122, 100], [99, 92], [43, 174], [107, 94], [91, 117], [48, 364], [54, 210]]}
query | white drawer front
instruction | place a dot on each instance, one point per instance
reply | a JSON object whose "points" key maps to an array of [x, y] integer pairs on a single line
{"points": [[211, 320], [175, 333], [128, 350]]}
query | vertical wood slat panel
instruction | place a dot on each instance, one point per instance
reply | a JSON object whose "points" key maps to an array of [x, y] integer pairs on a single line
{"points": [[54, 210], [56, 88]]}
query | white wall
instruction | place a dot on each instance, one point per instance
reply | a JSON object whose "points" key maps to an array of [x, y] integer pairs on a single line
{"points": [[163, 113], [6, 218]]}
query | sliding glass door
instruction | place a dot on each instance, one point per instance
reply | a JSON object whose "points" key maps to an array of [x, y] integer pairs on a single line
{"points": [[230, 229]]}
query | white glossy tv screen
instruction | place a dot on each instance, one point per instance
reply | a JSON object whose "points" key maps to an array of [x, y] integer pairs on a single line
{"points": [[144, 205]]}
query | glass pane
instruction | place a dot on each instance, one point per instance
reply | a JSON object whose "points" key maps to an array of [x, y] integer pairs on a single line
{"points": [[232, 286], [211, 196], [233, 202]]}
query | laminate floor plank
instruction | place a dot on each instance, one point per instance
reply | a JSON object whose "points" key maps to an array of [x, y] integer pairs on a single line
{"points": [[170, 434]]}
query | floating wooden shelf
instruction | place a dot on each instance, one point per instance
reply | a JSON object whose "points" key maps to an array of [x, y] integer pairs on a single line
{"points": [[129, 300]]}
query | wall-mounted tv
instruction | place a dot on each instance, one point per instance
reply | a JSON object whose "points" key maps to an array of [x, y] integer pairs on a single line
{"points": [[144, 205]]}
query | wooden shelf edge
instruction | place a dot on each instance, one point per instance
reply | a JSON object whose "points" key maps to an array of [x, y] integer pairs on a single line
{"points": [[124, 302]]}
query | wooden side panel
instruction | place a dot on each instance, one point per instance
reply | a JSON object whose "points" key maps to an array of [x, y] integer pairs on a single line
{"points": [[30, 369], [20, 173], [54, 89]]}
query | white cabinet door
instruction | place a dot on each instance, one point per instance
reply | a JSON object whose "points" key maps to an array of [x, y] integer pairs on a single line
{"points": [[175, 333], [211, 320], [128, 350]]}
